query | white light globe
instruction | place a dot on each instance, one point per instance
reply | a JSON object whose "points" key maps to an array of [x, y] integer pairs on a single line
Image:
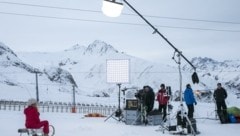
{"points": [[112, 8]]}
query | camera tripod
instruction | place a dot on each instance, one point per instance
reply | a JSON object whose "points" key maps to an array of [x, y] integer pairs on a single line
{"points": [[183, 120], [142, 115], [166, 120], [118, 113]]}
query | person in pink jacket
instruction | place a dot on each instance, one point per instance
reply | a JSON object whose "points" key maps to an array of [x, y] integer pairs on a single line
{"points": [[32, 117]]}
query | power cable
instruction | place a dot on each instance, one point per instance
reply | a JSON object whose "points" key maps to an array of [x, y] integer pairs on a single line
{"points": [[137, 72], [97, 11], [26, 88], [122, 23]]}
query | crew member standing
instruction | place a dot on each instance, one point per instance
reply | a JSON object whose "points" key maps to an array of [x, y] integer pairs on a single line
{"points": [[189, 100], [220, 95], [149, 98], [162, 98]]}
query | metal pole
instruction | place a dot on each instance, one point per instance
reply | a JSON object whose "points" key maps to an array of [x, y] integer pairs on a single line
{"points": [[74, 101], [119, 95], [156, 31], [180, 76], [37, 93]]}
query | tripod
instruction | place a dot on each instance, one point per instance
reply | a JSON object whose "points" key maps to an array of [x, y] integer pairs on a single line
{"points": [[118, 113], [143, 113], [166, 120], [215, 110]]}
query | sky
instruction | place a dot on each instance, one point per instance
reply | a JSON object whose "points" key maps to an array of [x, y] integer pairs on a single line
{"points": [[205, 28]]}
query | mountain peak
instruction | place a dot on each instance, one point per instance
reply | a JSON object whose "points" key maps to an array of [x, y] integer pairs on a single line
{"points": [[100, 47], [76, 47], [5, 50], [204, 60], [9, 58]]}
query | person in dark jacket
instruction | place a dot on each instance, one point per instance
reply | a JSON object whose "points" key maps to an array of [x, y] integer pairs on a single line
{"points": [[162, 98], [149, 98], [32, 117], [146, 97], [189, 100], [220, 95]]}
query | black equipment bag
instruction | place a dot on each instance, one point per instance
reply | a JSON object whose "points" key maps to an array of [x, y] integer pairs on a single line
{"points": [[195, 78], [181, 121], [194, 126]]}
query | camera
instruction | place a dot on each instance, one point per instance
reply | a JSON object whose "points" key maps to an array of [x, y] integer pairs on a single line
{"points": [[140, 94]]}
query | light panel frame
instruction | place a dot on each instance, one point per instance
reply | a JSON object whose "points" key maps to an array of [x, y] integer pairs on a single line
{"points": [[118, 71]]}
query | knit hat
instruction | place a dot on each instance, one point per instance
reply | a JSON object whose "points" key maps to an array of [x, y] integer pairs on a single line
{"points": [[32, 101], [188, 86]]}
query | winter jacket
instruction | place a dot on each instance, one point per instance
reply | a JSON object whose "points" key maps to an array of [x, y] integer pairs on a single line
{"points": [[150, 97], [162, 97], [189, 97], [32, 116], [220, 94]]}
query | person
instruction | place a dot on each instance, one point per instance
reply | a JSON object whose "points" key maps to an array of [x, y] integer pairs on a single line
{"points": [[220, 95], [189, 100], [146, 97], [149, 99], [162, 98], [32, 117]]}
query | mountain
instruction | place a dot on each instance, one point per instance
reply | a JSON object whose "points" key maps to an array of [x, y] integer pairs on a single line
{"points": [[9, 58], [19, 77], [10, 64], [83, 68], [87, 64], [226, 72]]}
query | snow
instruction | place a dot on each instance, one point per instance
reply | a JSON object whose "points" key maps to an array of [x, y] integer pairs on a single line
{"points": [[76, 124], [93, 64]]}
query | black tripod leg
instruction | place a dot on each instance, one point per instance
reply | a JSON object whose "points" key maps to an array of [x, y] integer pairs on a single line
{"points": [[110, 116]]}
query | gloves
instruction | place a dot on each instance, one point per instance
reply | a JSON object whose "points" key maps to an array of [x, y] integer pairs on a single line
{"points": [[195, 103]]}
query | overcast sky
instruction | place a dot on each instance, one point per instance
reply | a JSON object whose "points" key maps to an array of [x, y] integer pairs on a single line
{"points": [[206, 28]]}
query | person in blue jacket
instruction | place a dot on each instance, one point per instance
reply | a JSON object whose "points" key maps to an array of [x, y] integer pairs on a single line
{"points": [[189, 100]]}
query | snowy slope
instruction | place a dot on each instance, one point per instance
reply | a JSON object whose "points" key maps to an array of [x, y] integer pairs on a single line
{"points": [[77, 125], [84, 67], [18, 77], [87, 64]]}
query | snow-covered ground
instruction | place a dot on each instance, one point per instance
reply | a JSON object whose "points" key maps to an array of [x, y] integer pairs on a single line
{"points": [[70, 124]]}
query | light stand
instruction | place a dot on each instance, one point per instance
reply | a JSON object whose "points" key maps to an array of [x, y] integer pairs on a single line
{"points": [[117, 72], [118, 113]]}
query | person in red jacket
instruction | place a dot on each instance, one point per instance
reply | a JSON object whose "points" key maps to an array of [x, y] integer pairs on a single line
{"points": [[32, 117], [162, 99]]}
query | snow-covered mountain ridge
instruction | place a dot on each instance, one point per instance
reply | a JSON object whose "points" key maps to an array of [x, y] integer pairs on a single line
{"points": [[226, 72], [18, 77], [84, 67]]}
